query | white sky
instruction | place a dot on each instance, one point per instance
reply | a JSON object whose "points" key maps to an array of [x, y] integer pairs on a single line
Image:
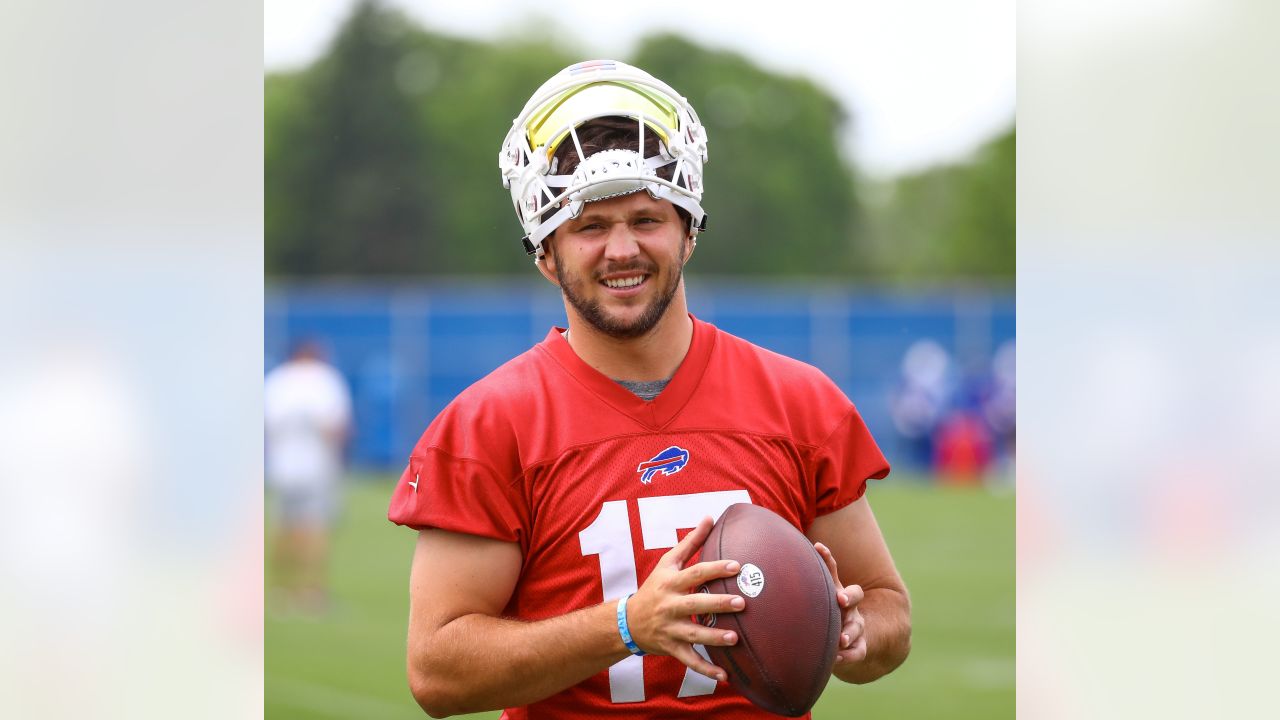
{"points": [[925, 80]]}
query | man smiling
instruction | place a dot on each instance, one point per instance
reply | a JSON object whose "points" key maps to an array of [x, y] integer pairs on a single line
{"points": [[561, 501], [643, 246]]}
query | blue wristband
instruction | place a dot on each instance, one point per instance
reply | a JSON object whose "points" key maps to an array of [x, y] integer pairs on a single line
{"points": [[624, 630]]}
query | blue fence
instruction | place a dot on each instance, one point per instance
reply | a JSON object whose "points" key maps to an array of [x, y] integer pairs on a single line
{"points": [[408, 349]]}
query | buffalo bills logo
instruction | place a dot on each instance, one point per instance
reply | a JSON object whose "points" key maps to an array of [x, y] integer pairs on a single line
{"points": [[668, 462]]}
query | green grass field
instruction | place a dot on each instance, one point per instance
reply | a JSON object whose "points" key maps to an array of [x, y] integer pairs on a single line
{"points": [[955, 548]]}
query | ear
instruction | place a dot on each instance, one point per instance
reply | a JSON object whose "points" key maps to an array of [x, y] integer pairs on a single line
{"points": [[691, 243], [547, 263]]}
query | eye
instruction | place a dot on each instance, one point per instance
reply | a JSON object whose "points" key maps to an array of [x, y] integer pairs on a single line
{"points": [[647, 220]]}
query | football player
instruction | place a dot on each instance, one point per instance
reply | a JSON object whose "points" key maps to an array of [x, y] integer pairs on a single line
{"points": [[561, 500], [307, 413]]}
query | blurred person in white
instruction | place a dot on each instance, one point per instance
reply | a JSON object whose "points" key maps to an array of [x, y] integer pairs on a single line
{"points": [[307, 407]]}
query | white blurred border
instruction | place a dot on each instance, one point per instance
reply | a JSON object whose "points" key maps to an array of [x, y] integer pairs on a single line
{"points": [[1147, 335], [130, 424]]}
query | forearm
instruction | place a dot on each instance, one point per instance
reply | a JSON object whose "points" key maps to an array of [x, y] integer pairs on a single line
{"points": [[478, 662], [887, 616]]}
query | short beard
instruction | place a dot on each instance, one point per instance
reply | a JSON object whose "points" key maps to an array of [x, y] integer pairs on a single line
{"points": [[591, 311]]}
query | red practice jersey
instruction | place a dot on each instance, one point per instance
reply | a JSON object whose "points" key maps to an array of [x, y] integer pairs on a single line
{"points": [[596, 485]]}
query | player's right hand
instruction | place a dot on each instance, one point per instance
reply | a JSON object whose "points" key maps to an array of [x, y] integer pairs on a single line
{"points": [[660, 614]]}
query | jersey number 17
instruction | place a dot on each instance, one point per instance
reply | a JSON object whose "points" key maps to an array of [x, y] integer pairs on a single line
{"points": [[609, 537]]}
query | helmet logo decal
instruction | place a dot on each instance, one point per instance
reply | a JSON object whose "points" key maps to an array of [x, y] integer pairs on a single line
{"points": [[590, 65]]}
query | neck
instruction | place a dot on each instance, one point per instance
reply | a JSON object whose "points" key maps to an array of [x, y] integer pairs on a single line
{"points": [[653, 356]]}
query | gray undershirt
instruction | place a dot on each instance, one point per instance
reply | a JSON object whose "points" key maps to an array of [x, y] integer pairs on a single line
{"points": [[644, 389]]}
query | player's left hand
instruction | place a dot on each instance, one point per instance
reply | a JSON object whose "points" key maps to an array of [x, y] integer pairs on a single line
{"points": [[853, 637]]}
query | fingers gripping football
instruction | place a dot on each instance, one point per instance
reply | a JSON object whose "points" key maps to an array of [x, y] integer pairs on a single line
{"points": [[661, 613], [853, 639]]}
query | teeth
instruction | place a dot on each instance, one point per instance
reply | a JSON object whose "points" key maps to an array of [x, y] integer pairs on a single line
{"points": [[625, 282]]}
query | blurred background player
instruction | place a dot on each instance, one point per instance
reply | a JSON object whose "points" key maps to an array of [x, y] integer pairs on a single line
{"points": [[307, 408], [1000, 406], [921, 397], [959, 424], [530, 488]]}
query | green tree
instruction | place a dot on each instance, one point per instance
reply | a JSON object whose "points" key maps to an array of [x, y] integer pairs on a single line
{"points": [[779, 192], [346, 190], [476, 90], [381, 158], [953, 221], [285, 106]]}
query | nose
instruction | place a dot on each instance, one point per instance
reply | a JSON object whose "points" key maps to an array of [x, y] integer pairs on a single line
{"points": [[621, 245]]}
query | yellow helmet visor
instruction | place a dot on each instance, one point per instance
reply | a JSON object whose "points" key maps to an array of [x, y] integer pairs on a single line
{"points": [[550, 124]]}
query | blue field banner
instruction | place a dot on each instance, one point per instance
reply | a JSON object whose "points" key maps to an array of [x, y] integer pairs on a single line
{"points": [[407, 349]]}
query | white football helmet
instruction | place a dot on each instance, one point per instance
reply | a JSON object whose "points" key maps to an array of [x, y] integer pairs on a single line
{"points": [[583, 92]]}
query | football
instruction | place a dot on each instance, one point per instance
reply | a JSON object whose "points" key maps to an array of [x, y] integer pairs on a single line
{"points": [[789, 629]]}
